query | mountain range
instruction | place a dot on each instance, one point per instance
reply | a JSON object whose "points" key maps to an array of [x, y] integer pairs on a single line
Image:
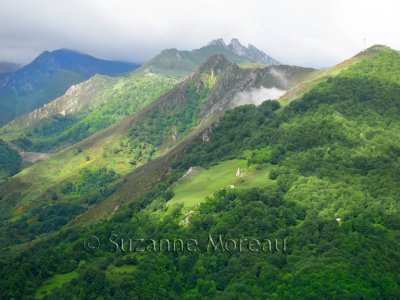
{"points": [[97, 103], [152, 130], [52, 73], [181, 63], [222, 142], [49, 76]]}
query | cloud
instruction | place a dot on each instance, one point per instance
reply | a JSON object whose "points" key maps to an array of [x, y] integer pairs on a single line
{"points": [[305, 32], [257, 96]]}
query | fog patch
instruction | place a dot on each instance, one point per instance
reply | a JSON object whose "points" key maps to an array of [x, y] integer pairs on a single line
{"points": [[279, 76], [257, 95]]}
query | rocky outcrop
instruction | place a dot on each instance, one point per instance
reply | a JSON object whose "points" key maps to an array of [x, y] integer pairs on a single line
{"points": [[250, 52]]}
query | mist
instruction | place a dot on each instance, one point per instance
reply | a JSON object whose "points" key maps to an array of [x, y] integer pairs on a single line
{"points": [[257, 96]]}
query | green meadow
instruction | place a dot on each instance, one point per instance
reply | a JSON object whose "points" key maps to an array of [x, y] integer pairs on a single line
{"points": [[56, 281], [221, 176]]}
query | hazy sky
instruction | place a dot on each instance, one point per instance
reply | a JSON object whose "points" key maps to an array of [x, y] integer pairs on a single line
{"points": [[314, 33]]}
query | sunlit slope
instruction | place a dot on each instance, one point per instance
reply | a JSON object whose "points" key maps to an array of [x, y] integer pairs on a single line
{"points": [[85, 109], [184, 114], [194, 188], [300, 89], [87, 172]]}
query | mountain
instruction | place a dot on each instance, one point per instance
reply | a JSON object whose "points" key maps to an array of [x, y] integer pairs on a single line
{"points": [[8, 67], [318, 174], [83, 110], [154, 130], [76, 115], [182, 63], [251, 52], [48, 77]]}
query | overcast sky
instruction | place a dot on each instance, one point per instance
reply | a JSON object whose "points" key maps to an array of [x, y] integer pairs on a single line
{"points": [[312, 33]]}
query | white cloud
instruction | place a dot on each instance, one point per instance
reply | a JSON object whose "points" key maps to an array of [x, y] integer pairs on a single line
{"points": [[304, 32], [257, 96]]}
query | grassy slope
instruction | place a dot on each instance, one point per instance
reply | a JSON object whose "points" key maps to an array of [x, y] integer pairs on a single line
{"points": [[207, 182], [56, 281], [300, 89], [85, 95]]}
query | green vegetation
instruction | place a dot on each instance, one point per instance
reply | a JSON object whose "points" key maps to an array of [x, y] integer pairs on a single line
{"points": [[167, 125], [203, 183], [206, 182], [59, 205], [88, 173], [115, 102], [54, 282], [10, 161], [331, 158]]}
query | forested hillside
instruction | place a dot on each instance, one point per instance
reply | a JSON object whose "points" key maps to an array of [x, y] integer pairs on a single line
{"points": [[330, 162], [10, 161]]}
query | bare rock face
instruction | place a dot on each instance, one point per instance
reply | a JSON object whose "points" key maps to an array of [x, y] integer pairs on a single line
{"points": [[78, 97], [251, 52], [190, 173], [73, 89]]}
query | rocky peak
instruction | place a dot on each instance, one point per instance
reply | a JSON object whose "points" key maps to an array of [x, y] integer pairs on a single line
{"points": [[237, 47], [259, 55], [250, 52], [215, 64], [217, 42]]}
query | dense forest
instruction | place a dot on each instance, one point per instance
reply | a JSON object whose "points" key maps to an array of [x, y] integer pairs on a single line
{"points": [[332, 193], [10, 161]]}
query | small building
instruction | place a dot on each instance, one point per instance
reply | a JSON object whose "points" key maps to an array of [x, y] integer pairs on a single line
{"points": [[239, 173]]}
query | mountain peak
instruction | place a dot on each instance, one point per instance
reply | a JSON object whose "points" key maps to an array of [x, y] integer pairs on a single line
{"points": [[214, 64], [217, 42], [250, 52], [182, 63], [234, 42], [237, 47]]}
